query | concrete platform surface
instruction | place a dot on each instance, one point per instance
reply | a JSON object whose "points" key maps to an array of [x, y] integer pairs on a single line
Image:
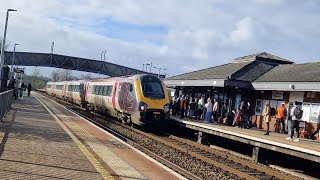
{"points": [[306, 148], [40, 139]]}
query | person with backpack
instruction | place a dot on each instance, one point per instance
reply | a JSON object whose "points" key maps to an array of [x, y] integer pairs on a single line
{"points": [[21, 90], [266, 116], [296, 115]]}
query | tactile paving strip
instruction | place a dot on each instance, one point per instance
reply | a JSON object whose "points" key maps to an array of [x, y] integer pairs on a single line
{"points": [[119, 166]]}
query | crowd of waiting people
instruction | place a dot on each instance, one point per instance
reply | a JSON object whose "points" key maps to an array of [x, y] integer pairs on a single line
{"points": [[208, 111]]}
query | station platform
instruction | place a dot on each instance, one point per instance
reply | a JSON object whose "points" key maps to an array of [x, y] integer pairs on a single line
{"points": [[306, 149], [40, 139]]}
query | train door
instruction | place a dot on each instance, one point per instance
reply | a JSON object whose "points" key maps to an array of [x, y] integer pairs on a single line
{"points": [[107, 95], [53, 87], [127, 99], [82, 91], [64, 89], [114, 93]]}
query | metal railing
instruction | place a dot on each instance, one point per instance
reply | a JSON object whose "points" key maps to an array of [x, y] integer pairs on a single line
{"points": [[6, 99]]}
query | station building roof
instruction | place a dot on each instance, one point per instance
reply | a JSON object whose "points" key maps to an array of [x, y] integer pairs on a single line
{"points": [[264, 55], [217, 72], [307, 72], [243, 69], [293, 77]]}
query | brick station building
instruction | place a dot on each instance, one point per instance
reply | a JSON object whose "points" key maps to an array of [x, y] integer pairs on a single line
{"points": [[256, 78]]}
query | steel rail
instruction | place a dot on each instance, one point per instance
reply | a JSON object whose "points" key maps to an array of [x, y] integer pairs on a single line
{"points": [[232, 158], [160, 159], [224, 167]]}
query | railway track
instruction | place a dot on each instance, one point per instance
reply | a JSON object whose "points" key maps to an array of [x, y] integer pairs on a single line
{"points": [[188, 158]]}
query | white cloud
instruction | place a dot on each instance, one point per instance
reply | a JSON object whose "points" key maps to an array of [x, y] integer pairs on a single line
{"points": [[272, 2], [196, 34], [243, 31]]}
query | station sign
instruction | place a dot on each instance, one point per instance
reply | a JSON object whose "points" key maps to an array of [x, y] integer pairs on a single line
{"points": [[277, 94]]}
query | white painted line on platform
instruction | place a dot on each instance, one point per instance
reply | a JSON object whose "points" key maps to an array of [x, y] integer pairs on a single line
{"points": [[97, 165], [124, 143]]}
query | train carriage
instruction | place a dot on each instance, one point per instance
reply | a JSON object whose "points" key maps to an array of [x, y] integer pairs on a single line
{"points": [[73, 92], [138, 99], [60, 89], [50, 88], [99, 95]]}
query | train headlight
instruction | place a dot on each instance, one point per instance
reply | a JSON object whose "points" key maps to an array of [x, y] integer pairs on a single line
{"points": [[167, 108], [143, 106]]}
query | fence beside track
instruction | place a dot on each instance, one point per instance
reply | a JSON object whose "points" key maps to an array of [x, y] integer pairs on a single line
{"points": [[6, 99]]}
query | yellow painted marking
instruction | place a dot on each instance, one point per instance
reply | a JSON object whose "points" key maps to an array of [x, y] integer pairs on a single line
{"points": [[104, 173]]}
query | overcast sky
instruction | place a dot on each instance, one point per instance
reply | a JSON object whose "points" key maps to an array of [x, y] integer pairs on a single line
{"points": [[180, 35]]}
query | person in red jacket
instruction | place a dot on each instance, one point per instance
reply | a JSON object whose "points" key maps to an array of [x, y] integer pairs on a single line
{"points": [[183, 106]]}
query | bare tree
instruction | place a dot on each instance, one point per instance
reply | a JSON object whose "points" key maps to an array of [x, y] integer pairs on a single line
{"points": [[66, 75], [35, 72], [36, 81], [35, 75], [55, 75], [87, 76]]}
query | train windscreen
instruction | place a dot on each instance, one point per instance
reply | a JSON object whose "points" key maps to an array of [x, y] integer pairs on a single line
{"points": [[152, 87]]}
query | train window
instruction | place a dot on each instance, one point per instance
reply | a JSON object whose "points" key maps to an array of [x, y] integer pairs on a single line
{"points": [[109, 90], [49, 86], [100, 90], [152, 87], [95, 90], [59, 87], [131, 88], [105, 90]]}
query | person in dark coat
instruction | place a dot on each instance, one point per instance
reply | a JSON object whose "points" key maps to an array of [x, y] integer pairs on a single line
{"points": [[29, 89], [14, 87], [244, 113]]}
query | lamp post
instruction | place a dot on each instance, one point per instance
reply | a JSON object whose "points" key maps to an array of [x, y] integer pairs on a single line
{"points": [[13, 56], [159, 70], [3, 44], [150, 66], [52, 46], [147, 66]]}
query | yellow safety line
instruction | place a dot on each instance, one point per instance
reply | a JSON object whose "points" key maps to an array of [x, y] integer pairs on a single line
{"points": [[104, 173]]}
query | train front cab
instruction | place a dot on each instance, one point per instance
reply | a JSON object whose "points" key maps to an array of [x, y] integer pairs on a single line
{"points": [[153, 100]]}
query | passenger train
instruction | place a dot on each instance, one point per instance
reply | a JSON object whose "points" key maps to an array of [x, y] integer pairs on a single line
{"points": [[137, 99]]}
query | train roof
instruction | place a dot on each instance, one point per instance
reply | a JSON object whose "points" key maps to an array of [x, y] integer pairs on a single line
{"points": [[136, 76]]}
